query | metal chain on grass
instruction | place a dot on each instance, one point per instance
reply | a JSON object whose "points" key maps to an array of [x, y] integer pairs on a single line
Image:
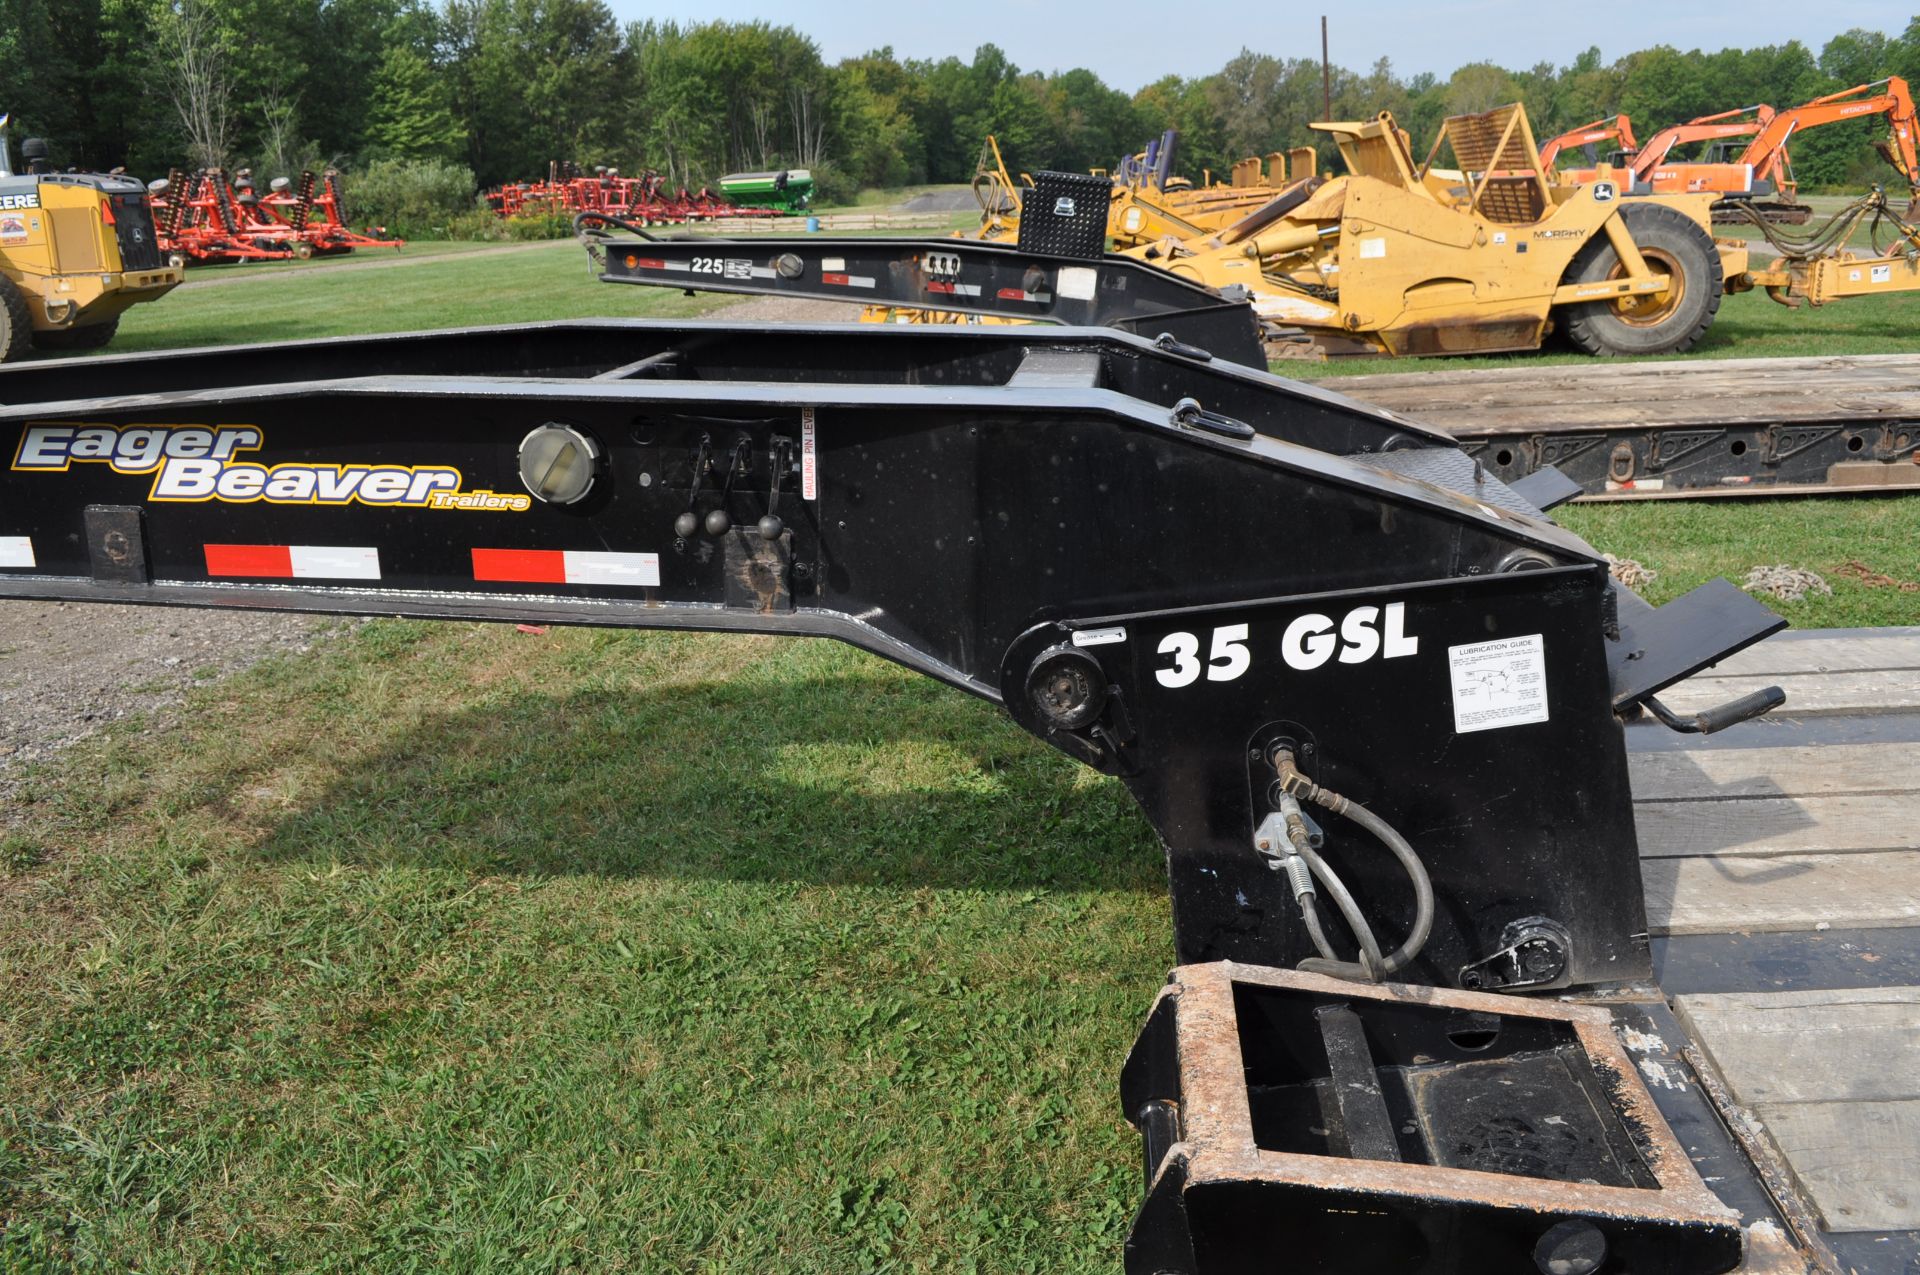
{"points": [[1789, 584], [1630, 572]]}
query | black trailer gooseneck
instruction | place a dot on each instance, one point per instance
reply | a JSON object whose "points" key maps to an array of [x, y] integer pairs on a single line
{"points": [[1368, 695]]}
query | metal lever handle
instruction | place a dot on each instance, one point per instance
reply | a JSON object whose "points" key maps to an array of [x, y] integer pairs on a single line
{"points": [[1732, 713], [719, 521], [687, 525], [771, 526]]}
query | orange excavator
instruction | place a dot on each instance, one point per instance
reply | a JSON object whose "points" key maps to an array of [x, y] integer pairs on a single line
{"points": [[1755, 180], [1764, 189], [1767, 153], [1615, 128], [1718, 172]]}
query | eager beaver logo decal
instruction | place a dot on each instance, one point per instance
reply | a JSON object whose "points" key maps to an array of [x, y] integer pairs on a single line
{"points": [[201, 463]]}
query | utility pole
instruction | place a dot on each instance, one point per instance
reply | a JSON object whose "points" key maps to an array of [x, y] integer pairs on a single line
{"points": [[1326, 71]]}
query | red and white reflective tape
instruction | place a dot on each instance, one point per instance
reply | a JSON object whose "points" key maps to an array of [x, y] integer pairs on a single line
{"points": [[16, 552], [953, 289], [838, 280], [1015, 294], [567, 566], [294, 562]]}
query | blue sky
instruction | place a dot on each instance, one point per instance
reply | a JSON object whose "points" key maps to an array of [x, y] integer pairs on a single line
{"points": [[1133, 42]]}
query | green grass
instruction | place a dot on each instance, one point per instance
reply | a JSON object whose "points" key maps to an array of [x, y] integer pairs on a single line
{"points": [[446, 947], [1689, 542], [414, 251], [455, 289], [881, 198]]}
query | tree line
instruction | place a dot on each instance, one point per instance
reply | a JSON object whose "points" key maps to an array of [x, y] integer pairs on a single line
{"points": [[503, 87]]}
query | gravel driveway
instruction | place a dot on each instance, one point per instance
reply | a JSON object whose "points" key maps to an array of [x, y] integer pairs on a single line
{"points": [[67, 669]]}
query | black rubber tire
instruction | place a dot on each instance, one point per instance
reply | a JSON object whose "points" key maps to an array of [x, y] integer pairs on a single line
{"points": [[16, 325], [92, 337], [1669, 239]]}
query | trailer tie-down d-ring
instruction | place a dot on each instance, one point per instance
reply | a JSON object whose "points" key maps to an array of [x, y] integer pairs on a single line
{"points": [[1240, 597]]}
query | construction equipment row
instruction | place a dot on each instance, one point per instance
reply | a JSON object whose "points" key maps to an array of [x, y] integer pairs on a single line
{"points": [[1751, 180], [205, 218], [1479, 248]]}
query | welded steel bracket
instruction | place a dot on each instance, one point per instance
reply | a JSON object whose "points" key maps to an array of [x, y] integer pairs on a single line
{"points": [[1303, 1123]]}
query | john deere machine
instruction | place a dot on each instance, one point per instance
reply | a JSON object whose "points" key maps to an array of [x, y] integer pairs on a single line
{"points": [[1406, 257], [76, 251]]}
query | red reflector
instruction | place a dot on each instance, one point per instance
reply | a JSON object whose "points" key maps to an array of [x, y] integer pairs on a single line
{"points": [[522, 566], [106, 213], [273, 562]]}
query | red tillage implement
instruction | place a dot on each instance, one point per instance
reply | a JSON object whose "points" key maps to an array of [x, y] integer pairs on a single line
{"points": [[646, 199], [205, 218]]}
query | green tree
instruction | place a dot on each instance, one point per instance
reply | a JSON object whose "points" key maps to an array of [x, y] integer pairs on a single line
{"points": [[412, 109]]}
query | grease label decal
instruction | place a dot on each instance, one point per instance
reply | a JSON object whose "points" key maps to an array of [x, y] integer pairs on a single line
{"points": [[193, 463], [1497, 684]]}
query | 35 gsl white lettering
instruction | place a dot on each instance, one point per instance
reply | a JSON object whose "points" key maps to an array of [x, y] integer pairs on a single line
{"points": [[1362, 634]]}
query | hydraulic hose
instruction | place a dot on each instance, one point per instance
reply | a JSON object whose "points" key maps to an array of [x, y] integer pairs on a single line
{"points": [[581, 221], [1372, 966]]}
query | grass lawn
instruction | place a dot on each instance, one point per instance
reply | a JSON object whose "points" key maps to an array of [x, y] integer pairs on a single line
{"points": [[383, 292], [416, 249], [1688, 542], [448, 947]]}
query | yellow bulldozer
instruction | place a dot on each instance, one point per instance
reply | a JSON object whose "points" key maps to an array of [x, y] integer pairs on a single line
{"points": [[1408, 258], [76, 251]]}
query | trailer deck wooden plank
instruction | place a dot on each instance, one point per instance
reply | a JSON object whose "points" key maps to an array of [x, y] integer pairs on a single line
{"points": [[1739, 837], [1782, 655], [1685, 429], [1702, 392], [1860, 1162], [1857, 691], [1816, 770], [1722, 894], [1747, 827], [1781, 1046]]}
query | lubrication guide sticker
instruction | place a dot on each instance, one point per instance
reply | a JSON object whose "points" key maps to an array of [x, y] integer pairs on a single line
{"points": [[1498, 683]]}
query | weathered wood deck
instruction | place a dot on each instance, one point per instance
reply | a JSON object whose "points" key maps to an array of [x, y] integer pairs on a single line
{"points": [[1698, 427], [1519, 400], [1782, 864]]}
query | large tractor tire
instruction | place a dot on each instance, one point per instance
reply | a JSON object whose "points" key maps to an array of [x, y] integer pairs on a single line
{"points": [[16, 325], [1660, 323], [92, 337]]}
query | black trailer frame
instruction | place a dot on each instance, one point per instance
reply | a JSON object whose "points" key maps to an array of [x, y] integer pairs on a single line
{"points": [[1218, 586]]}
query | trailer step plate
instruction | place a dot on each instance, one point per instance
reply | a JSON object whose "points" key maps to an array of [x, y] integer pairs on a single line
{"points": [[1408, 1129]]}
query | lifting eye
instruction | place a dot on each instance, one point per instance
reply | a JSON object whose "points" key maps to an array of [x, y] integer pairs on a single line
{"points": [[558, 464]]}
